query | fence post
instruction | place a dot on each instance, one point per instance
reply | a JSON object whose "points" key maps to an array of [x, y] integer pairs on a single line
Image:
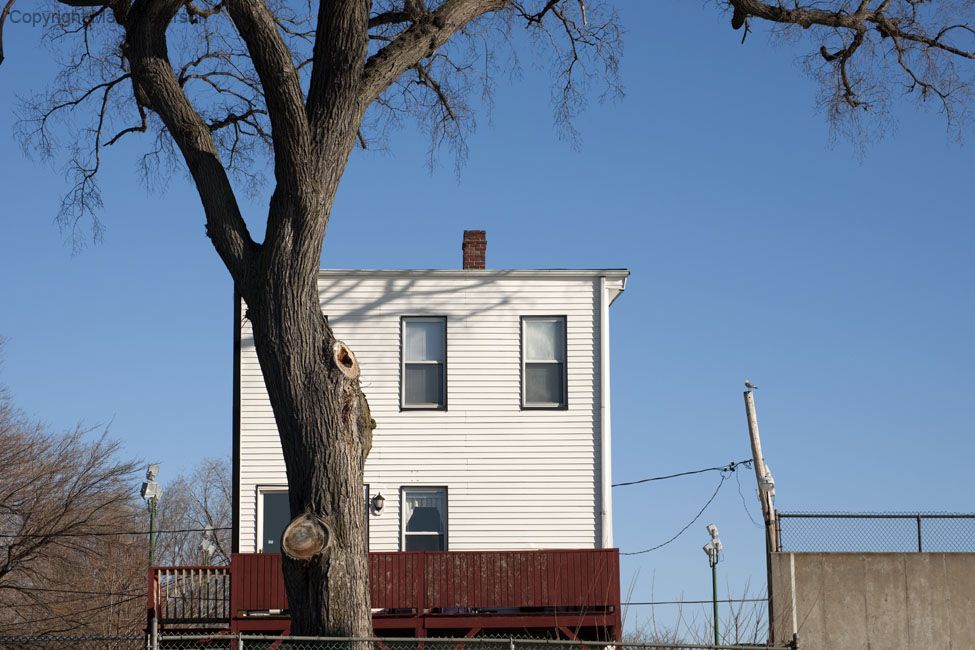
{"points": [[511, 643], [919, 532], [154, 634]]}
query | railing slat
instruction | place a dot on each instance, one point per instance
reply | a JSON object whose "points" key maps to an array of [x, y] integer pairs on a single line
{"points": [[198, 595]]}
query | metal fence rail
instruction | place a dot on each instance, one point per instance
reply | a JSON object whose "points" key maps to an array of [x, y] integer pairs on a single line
{"points": [[260, 642], [135, 642], [255, 642], [838, 532]]}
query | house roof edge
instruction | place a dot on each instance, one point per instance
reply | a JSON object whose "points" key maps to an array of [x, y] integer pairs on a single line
{"points": [[488, 273]]}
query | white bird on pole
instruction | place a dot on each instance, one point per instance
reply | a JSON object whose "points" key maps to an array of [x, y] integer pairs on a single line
{"points": [[749, 385]]}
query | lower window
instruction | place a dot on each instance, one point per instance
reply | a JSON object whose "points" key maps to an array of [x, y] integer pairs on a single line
{"points": [[274, 515], [274, 518], [424, 519]]}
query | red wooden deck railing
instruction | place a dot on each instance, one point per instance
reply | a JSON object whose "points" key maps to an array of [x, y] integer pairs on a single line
{"points": [[567, 590]]}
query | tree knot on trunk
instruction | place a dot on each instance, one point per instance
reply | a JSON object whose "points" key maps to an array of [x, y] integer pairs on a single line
{"points": [[345, 361], [305, 537]]}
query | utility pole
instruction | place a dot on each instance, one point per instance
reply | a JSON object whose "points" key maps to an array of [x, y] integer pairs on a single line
{"points": [[151, 493], [766, 486], [766, 490]]}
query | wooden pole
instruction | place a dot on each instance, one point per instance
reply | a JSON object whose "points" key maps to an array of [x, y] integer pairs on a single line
{"points": [[771, 541], [760, 469]]}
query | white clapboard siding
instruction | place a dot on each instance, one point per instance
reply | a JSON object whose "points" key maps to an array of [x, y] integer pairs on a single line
{"points": [[515, 478]]}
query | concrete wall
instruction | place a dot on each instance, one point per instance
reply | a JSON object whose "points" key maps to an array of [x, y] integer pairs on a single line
{"points": [[875, 600]]}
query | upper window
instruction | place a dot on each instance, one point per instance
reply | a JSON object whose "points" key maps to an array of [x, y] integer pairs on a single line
{"points": [[425, 519], [543, 361], [424, 368]]}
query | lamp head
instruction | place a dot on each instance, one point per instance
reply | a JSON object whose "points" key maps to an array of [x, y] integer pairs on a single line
{"points": [[152, 472], [712, 530], [151, 490]]}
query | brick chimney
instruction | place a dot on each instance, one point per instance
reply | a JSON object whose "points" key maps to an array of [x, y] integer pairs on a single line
{"points": [[475, 243]]}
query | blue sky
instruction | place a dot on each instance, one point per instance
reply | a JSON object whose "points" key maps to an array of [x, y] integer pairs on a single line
{"points": [[841, 286]]}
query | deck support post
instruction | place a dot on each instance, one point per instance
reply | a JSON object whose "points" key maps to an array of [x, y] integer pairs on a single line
{"points": [[154, 634]]}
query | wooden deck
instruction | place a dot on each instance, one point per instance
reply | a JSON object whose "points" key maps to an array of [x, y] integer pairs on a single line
{"points": [[557, 593]]}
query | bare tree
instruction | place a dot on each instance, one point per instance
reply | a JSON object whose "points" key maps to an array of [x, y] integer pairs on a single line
{"points": [[69, 561], [743, 622], [194, 502], [220, 82], [867, 52]]}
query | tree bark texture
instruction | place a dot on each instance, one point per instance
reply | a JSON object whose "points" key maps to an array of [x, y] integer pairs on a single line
{"points": [[317, 409], [321, 414]]}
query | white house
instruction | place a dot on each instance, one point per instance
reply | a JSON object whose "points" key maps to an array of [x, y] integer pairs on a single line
{"points": [[490, 389]]}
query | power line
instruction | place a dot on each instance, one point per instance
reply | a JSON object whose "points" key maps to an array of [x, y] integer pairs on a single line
{"points": [[68, 591], [76, 613], [689, 524], [745, 505], [109, 534], [696, 602], [730, 467]]}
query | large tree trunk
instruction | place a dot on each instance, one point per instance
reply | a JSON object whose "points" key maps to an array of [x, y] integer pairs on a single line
{"points": [[321, 414], [314, 390]]}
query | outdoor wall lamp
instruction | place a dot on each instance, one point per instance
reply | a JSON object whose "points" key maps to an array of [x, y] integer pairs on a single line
{"points": [[378, 502]]}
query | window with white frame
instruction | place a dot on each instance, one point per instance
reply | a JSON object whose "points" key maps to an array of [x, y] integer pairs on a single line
{"points": [[424, 374], [543, 377], [424, 519]]}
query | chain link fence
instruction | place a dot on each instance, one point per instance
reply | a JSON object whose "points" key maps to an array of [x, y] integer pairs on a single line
{"points": [[255, 642], [835, 532], [134, 642]]}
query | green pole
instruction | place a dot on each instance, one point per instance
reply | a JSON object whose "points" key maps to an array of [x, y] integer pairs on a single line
{"points": [[152, 531], [714, 592]]}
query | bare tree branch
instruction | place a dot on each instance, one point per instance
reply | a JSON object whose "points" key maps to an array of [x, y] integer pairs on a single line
{"points": [[282, 90], [3, 17], [923, 42], [418, 42], [146, 50]]}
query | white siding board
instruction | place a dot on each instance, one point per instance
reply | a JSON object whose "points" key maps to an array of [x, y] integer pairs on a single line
{"points": [[515, 478]]}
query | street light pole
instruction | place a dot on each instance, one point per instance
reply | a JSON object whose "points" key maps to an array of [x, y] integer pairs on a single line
{"points": [[207, 545], [714, 594], [713, 550], [151, 493]]}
